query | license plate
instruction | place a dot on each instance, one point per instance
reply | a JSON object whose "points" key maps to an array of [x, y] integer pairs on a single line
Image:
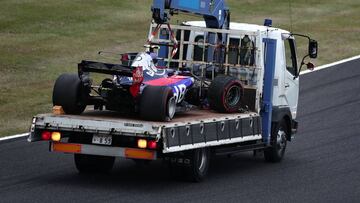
{"points": [[102, 139]]}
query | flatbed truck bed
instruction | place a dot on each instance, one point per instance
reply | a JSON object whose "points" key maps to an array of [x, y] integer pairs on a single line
{"points": [[190, 130]]}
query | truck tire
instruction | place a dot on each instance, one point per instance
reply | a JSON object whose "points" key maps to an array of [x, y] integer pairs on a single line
{"points": [[194, 165], [276, 152], [157, 103], [69, 93], [141, 162], [93, 163], [225, 94]]}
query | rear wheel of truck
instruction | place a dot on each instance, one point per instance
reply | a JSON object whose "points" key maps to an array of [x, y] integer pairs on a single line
{"points": [[225, 93], [69, 93], [276, 152], [193, 166], [141, 162], [93, 163], [157, 103]]}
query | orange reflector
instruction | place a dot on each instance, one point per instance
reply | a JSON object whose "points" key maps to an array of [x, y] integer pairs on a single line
{"points": [[142, 143], [65, 147], [56, 136], [58, 110], [139, 154]]}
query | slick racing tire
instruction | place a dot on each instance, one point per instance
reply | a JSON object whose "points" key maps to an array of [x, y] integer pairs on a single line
{"points": [[69, 93], [225, 93], [157, 103]]}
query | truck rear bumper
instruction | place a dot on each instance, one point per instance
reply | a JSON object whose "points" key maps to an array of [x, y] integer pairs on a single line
{"points": [[131, 153]]}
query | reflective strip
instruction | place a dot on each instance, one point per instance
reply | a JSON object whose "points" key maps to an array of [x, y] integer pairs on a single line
{"points": [[66, 147], [139, 154], [103, 150]]}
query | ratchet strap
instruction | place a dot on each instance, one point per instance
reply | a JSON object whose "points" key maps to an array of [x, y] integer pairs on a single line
{"points": [[172, 38]]}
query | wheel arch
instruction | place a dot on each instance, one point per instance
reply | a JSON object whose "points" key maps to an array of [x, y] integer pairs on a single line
{"points": [[283, 113]]}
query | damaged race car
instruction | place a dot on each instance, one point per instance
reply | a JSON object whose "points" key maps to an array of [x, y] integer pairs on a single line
{"points": [[141, 88]]}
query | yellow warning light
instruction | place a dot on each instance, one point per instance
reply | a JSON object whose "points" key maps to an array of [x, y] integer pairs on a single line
{"points": [[56, 136], [142, 143]]}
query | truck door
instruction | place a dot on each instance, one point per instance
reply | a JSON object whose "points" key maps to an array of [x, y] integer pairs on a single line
{"points": [[291, 83]]}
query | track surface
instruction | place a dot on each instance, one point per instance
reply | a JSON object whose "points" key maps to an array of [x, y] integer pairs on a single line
{"points": [[322, 164]]}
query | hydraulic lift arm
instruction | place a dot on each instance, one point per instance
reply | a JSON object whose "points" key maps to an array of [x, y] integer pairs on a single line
{"points": [[215, 13]]}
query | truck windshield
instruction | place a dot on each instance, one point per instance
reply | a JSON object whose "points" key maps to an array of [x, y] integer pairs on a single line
{"points": [[290, 56]]}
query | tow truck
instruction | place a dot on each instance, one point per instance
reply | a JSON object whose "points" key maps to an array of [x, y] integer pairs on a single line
{"points": [[262, 57]]}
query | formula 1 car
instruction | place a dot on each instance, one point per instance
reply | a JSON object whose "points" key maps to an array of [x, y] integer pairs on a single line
{"points": [[155, 93]]}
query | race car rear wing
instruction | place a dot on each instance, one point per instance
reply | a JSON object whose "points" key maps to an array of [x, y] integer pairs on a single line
{"points": [[105, 68]]}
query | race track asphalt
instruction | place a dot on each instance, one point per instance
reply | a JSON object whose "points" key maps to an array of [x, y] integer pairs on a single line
{"points": [[322, 164]]}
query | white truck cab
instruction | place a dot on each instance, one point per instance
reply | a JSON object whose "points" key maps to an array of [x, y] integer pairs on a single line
{"points": [[286, 82]]}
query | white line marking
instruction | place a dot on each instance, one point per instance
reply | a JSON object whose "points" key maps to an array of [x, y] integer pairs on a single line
{"points": [[302, 73], [14, 136], [331, 64]]}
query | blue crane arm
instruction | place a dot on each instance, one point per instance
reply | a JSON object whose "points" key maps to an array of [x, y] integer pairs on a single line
{"points": [[215, 12]]}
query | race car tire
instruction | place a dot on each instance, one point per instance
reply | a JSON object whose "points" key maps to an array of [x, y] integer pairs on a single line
{"points": [[69, 93], [225, 93], [157, 103]]}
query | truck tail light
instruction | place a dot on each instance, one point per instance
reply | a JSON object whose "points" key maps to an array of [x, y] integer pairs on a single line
{"points": [[56, 136], [45, 135], [152, 144], [142, 143], [138, 77]]}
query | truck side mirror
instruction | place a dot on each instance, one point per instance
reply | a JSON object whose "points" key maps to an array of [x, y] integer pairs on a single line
{"points": [[313, 48]]}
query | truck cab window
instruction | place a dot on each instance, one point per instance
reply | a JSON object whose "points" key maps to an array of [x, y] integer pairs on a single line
{"points": [[247, 51], [199, 49], [290, 56], [233, 55]]}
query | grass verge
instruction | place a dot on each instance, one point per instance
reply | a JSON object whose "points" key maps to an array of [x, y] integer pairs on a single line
{"points": [[40, 39]]}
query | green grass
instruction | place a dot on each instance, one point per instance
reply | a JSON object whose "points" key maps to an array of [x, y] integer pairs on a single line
{"points": [[40, 39]]}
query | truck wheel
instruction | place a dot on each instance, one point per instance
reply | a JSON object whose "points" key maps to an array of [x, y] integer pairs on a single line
{"points": [[141, 162], [225, 94], [276, 152], [194, 165], [69, 93], [93, 163], [157, 103]]}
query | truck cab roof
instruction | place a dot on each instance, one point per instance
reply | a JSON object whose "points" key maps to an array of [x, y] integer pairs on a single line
{"points": [[238, 26]]}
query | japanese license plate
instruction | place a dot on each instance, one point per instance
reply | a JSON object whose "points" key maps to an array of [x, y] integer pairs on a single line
{"points": [[102, 139]]}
